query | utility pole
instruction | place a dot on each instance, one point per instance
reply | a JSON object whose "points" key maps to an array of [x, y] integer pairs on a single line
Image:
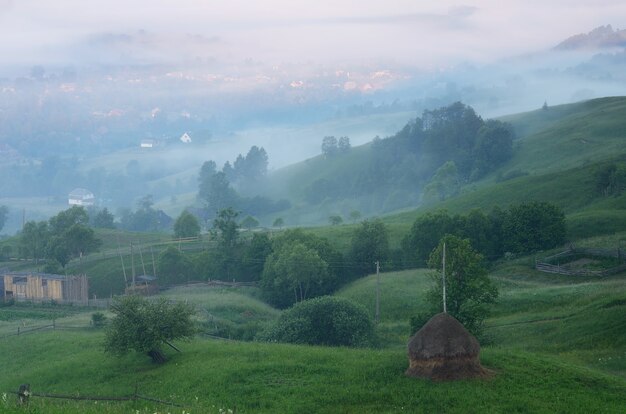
{"points": [[445, 310], [132, 263], [122, 259], [153, 266], [142, 265], [377, 316]]}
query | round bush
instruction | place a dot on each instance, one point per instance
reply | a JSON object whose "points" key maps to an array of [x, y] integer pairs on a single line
{"points": [[324, 320]]}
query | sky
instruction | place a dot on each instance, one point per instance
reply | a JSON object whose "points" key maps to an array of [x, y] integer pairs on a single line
{"points": [[421, 34]]}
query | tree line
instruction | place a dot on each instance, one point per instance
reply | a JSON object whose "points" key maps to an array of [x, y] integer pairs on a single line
{"points": [[434, 154], [218, 189], [60, 239], [520, 229]]}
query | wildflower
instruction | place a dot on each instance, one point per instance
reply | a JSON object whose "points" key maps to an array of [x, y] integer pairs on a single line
{"points": [[4, 397]]}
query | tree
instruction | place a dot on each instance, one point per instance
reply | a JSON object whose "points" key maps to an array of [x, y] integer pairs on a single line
{"points": [[34, 238], [80, 240], [425, 234], [207, 170], [343, 145], [186, 225], [295, 269], [445, 183], [370, 243], [355, 215], [468, 288], [4, 211], [70, 236], [146, 202], [173, 267], [282, 297], [255, 255], [144, 326], [279, 222], [103, 219], [256, 163], [226, 225], [67, 218], [530, 227], [335, 220], [217, 193], [249, 223], [493, 146], [329, 146]]}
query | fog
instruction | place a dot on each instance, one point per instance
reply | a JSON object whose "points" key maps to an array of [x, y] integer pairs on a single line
{"points": [[88, 81]]}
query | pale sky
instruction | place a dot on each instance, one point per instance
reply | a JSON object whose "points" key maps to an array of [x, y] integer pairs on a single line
{"points": [[403, 32]]}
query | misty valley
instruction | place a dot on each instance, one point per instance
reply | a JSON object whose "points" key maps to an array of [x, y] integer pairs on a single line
{"points": [[255, 212]]}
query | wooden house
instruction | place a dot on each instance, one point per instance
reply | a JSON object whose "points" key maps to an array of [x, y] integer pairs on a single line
{"points": [[42, 287]]}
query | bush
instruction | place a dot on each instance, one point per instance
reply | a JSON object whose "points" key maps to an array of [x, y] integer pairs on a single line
{"points": [[326, 321], [98, 319]]}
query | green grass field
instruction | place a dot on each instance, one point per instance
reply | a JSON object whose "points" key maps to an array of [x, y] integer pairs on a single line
{"points": [[556, 344], [267, 378]]}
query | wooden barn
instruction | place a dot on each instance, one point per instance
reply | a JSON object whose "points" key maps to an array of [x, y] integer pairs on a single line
{"points": [[42, 287]]}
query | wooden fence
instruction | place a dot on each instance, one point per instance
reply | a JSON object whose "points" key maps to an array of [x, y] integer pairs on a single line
{"points": [[547, 264], [90, 303], [24, 394]]}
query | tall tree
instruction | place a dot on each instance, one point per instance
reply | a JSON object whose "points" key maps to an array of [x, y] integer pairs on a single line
{"points": [[34, 238], [370, 243], [217, 193], [279, 222], [67, 218], [249, 222], [469, 290], [530, 227], [294, 269], [329, 146], [186, 225], [103, 219], [226, 225]]}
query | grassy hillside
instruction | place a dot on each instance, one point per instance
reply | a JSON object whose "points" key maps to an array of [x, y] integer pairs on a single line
{"points": [[557, 345], [262, 378], [557, 155], [580, 320], [555, 342], [567, 136]]}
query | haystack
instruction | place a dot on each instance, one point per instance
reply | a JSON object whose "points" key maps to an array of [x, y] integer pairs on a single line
{"points": [[444, 350]]}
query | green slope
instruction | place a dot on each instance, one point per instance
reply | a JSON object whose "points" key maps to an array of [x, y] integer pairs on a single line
{"points": [[268, 378], [559, 150], [567, 136]]}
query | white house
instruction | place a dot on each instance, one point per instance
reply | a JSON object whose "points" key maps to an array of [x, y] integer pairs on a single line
{"points": [[81, 197], [185, 138], [147, 143]]}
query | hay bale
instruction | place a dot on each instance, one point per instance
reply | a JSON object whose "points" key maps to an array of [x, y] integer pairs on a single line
{"points": [[444, 350]]}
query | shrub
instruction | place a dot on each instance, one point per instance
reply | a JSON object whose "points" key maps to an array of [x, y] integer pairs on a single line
{"points": [[325, 320], [98, 319]]}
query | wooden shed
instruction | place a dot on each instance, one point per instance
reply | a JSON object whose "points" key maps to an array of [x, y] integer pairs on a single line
{"points": [[43, 286]]}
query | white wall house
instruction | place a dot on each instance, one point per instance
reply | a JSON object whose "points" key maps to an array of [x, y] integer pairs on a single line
{"points": [[81, 197], [185, 138], [147, 143]]}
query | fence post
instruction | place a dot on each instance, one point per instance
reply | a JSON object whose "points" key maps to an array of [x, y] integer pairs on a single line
{"points": [[23, 393]]}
